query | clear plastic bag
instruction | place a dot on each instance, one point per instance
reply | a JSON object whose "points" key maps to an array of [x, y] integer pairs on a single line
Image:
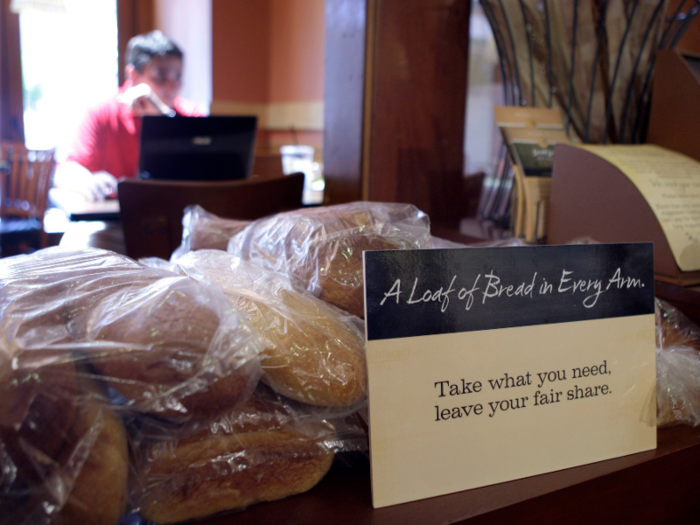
{"points": [[268, 449], [150, 340], [84, 482], [313, 352], [440, 243], [158, 339], [322, 247], [677, 367], [204, 230]]}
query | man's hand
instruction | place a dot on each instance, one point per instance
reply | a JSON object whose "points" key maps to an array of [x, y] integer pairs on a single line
{"points": [[102, 185], [143, 101], [94, 187]]}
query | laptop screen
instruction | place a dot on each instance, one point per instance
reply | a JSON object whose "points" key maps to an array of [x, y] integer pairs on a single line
{"points": [[197, 148]]}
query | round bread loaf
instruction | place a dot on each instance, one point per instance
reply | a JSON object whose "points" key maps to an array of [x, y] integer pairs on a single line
{"points": [[313, 353], [147, 331], [160, 355], [38, 384], [338, 270], [203, 230], [323, 246], [214, 233], [673, 329]]}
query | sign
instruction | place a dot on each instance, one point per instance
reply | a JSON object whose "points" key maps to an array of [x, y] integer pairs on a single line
{"points": [[493, 364], [670, 183]]}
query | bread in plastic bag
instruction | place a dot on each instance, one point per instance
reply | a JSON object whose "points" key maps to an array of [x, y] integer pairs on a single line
{"points": [[677, 367], [268, 449], [38, 413], [323, 246], [99, 493], [84, 482], [313, 352], [204, 230], [165, 343]]}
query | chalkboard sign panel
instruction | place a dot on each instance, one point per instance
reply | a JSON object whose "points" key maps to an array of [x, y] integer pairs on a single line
{"points": [[423, 292]]}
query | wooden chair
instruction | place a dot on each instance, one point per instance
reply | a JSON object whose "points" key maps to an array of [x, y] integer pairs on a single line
{"points": [[268, 165], [25, 177], [151, 211]]}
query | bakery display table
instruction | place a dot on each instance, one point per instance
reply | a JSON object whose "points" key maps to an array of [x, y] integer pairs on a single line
{"points": [[661, 486]]}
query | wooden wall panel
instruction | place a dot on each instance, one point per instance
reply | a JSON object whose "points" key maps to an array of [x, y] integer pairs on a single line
{"points": [[419, 65], [11, 104], [346, 28], [413, 90], [134, 17]]}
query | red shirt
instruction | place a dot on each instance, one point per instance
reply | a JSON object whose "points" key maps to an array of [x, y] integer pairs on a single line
{"points": [[108, 138]]}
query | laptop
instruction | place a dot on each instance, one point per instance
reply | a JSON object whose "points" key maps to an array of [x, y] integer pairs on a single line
{"points": [[214, 148]]}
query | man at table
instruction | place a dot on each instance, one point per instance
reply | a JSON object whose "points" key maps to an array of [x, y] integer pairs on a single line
{"points": [[106, 148]]}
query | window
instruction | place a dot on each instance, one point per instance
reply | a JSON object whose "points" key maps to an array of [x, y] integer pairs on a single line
{"points": [[69, 62]]}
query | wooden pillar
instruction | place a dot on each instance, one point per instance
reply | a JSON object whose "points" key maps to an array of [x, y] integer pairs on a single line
{"points": [[134, 17], [11, 104], [346, 35], [395, 95]]}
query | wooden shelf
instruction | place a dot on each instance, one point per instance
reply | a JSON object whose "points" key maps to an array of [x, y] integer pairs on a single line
{"points": [[656, 487]]}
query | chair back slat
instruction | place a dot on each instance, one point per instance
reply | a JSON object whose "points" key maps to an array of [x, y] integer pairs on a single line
{"points": [[25, 176]]}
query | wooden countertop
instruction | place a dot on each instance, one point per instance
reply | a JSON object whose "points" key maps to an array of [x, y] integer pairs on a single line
{"points": [[659, 486]]}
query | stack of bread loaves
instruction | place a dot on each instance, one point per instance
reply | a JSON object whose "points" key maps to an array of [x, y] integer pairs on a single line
{"points": [[96, 348], [176, 390], [282, 441], [301, 289], [86, 336]]}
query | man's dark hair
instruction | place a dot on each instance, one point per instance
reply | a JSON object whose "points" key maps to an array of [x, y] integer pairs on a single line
{"points": [[142, 48]]}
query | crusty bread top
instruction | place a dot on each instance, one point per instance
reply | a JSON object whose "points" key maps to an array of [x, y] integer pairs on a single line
{"points": [[322, 247]]}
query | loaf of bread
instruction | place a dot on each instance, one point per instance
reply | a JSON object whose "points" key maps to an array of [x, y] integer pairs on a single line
{"points": [[677, 367], [69, 452], [257, 453], [38, 390], [323, 246], [99, 493], [165, 343], [203, 230], [312, 353]]}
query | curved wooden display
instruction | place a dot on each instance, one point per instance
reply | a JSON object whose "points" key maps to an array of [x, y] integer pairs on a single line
{"points": [[592, 198]]}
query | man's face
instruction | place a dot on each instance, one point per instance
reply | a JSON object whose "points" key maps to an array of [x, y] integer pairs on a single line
{"points": [[163, 75]]}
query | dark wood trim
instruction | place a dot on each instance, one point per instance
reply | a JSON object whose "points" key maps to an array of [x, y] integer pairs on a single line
{"points": [[134, 17], [395, 102], [346, 26], [11, 100], [418, 101]]}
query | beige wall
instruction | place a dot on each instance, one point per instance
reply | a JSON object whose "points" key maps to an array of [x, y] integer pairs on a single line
{"points": [[296, 65], [188, 23], [240, 51]]}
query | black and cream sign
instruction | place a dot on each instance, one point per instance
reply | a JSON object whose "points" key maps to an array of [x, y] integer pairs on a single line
{"points": [[492, 364]]}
